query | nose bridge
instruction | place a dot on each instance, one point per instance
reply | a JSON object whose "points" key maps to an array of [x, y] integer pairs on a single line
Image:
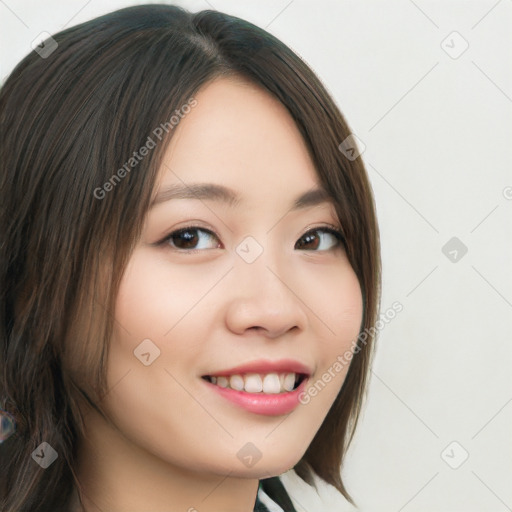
{"points": [[262, 297], [258, 264]]}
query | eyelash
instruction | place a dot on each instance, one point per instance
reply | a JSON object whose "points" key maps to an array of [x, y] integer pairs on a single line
{"points": [[337, 233]]}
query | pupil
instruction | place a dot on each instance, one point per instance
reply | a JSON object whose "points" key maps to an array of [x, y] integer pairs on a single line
{"points": [[189, 239], [308, 239]]}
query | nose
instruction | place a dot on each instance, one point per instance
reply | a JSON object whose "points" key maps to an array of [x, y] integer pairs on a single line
{"points": [[263, 300]]}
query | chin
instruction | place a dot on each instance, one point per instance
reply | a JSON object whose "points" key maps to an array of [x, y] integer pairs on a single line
{"points": [[265, 467], [269, 468]]}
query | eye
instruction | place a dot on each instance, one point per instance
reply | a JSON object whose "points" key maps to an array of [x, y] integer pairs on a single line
{"points": [[191, 238], [320, 239]]}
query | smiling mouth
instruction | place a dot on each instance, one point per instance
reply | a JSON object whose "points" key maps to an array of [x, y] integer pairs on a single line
{"points": [[259, 383]]}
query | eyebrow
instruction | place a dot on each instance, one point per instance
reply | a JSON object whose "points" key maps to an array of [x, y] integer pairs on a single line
{"points": [[220, 193]]}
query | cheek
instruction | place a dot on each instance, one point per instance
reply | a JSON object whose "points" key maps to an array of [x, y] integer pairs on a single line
{"points": [[140, 301], [350, 313], [149, 304], [336, 303], [155, 295]]}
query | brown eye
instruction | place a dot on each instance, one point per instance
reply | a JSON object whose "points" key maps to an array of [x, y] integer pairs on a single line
{"points": [[192, 238], [319, 239]]}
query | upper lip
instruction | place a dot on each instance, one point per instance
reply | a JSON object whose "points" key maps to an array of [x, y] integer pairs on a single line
{"points": [[266, 366]]}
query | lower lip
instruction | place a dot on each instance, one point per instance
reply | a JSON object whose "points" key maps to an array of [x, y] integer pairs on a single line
{"points": [[262, 403]]}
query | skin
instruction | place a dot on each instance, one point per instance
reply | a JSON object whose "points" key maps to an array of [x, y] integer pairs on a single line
{"points": [[173, 442]]}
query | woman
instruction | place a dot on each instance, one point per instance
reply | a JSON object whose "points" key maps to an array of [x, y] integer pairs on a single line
{"points": [[190, 269]]}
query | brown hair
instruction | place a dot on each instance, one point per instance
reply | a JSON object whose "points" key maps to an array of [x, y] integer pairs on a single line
{"points": [[68, 122]]}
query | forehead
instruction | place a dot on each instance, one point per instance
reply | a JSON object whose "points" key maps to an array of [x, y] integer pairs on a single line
{"points": [[240, 136]]}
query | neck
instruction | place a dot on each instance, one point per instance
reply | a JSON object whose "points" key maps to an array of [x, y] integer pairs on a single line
{"points": [[116, 475]]}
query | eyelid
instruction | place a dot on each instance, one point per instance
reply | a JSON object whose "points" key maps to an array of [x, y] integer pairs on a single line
{"points": [[335, 228]]}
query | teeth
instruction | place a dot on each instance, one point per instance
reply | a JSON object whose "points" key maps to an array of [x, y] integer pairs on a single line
{"points": [[222, 382], [253, 383], [289, 381], [271, 383], [236, 382]]}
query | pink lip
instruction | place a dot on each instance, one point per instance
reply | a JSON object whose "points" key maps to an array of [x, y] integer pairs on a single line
{"points": [[262, 403], [266, 366]]}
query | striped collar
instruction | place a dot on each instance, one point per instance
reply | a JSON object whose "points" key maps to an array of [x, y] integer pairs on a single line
{"points": [[272, 497], [264, 503]]}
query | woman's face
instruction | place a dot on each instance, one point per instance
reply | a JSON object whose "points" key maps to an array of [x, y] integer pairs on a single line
{"points": [[253, 292]]}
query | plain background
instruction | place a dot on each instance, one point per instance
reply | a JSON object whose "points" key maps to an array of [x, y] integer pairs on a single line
{"points": [[435, 118]]}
